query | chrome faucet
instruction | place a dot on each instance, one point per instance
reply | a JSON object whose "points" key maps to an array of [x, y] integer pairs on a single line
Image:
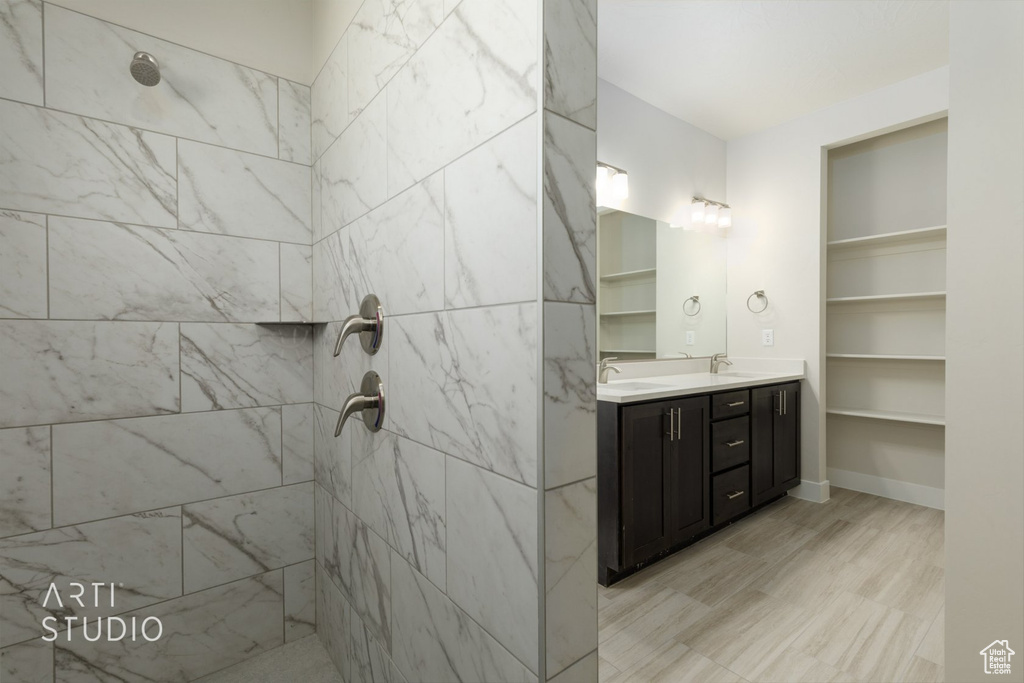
{"points": [[602, 375], [368, 323], [717, 360], [369, 401]]}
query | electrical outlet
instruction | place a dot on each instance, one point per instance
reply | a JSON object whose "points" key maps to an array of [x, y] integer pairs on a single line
{"points": [[767, 337], [691, 337]]}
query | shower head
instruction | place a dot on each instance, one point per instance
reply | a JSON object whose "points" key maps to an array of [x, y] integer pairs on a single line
{"points": [[145, 69]]}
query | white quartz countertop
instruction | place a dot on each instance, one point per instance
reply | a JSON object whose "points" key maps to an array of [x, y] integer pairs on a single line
{"points": [[670, 386]]}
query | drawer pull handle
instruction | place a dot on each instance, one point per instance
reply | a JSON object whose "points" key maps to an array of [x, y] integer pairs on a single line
{"points": [[735, 404], [734, 494], [734, 444]]}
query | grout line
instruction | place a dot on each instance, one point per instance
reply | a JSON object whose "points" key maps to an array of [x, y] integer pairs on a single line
{"points": [[277, 94], [149, 130], [46, 227], [181, 520], [42, 22], [52, 497]]}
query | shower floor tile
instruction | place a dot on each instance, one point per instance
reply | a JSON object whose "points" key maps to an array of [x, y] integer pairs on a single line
{"points": [[303, 660]]}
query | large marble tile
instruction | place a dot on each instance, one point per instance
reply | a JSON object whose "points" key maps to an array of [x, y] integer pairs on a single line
{"points": [[234, 193], [317, 223], [370, 661], [474, 77], [333, 617], [570, 393], [570, 60], [21, 50], [28, 662], [490, 202], [395, 251], [297, 424], [116, 271], [167, 460], [492, 557], [329, 99], [300, 599], [149, 569], [399, 491], [583, 671], [202, 633], [296, 283], [332, 457], [226, 365], [200, 97], [293, 137], [238, 536], [358, 561], [354, 169], [434, 640], [25, 487], [570, 539], [465, 382], [22, 265], [570, 216], [57, 371], [382, 37], [130, 173]]}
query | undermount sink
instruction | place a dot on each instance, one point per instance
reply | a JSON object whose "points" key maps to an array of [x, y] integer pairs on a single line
{"points": [[634, 386]]}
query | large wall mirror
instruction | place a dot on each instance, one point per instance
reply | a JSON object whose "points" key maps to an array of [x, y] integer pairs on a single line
{"points": [[662, 289]]}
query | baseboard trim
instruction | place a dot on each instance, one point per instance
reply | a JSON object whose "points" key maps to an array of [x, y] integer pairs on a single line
{"points": [[814, 491], [917, 494]]}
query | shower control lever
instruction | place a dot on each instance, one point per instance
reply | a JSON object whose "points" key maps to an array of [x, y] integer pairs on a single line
{"points": [[368, 323], [369, 401]]}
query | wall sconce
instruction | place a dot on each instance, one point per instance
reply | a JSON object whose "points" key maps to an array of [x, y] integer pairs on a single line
{"points": [[707, 214], [612, 185]]}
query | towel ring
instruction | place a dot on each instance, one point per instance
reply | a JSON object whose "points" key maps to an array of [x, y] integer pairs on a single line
{"points": [[760, 295], [695, 299]]}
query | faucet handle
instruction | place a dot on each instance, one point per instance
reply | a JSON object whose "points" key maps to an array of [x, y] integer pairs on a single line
{"points": [[604, 361], [369, 401], [369, 323]]}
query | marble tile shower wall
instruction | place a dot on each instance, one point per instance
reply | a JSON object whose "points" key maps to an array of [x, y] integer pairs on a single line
{"points": [[152, 432], [453, 157]]}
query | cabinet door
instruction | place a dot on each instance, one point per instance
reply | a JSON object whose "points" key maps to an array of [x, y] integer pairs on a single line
{"points": [[644, 481], [688, 467], [764, 405], [786, 438]]}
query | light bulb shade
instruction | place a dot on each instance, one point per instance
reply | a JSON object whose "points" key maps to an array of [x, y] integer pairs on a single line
{"points": [[620, 186], [697, 214], [725, 217], [711, 215], [603, 185]]}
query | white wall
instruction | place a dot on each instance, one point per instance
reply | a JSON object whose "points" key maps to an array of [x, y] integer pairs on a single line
{"points": [[668, 160], [270, 35], [985, 338], [775, 187]]}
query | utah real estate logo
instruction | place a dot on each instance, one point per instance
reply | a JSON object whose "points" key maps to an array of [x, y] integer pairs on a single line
{"points": [[997, 657]]}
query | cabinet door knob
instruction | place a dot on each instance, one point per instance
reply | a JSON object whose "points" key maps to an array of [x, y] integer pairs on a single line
{"points": [[734, 494], [735, 404], [734, 444]]}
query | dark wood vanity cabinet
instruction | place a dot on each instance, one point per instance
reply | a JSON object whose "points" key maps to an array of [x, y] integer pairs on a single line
{"points": [[672, 471], [775, 440]]}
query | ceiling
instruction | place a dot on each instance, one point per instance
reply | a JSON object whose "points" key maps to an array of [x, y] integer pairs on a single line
{"points": [[733, 67]]}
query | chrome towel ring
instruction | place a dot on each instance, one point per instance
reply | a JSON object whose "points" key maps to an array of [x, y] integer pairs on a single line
{"points": [[695, 299], [760, 295]]}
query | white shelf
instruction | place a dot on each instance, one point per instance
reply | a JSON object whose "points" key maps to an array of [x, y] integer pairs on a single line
{"points": [[890, 415], [911, 296], [621, 314], [627, 351], [889, 237], [883, 356], [629, 274]]}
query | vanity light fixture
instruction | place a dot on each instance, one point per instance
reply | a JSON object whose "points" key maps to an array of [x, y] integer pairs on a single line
{"points": [[612, 185], [707, 214]]}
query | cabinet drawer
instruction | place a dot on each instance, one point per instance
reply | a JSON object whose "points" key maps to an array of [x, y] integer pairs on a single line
{"points": [[730, 494], [730, 405], [730, 443]]}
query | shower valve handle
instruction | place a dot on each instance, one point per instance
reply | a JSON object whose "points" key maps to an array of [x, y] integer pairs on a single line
{"points": [[368, 323], [369, 401]]}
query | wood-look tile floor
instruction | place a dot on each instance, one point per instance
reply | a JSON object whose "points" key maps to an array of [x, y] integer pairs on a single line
{"points": [[849, 590]]}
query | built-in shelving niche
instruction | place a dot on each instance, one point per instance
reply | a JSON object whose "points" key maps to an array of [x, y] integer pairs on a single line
{"points": [[627, 288], [886, 313]]}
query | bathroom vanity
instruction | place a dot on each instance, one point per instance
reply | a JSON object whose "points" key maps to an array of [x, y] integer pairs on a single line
{"points": [[682, 456]]}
